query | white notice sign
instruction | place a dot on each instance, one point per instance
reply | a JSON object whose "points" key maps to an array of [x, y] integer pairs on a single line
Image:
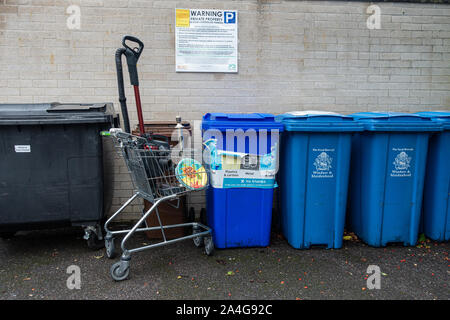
{"points": [[206, 40], [19, 148]]}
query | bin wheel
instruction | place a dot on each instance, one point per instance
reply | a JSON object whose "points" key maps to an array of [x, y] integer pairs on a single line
{"points": [[7, 235], [118, 275], [198, 241], [110, 248], [209, 245], [93, 242]]}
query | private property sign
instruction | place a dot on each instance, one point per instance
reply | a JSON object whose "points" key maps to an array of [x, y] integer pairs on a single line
{"points": [[206, 40]]}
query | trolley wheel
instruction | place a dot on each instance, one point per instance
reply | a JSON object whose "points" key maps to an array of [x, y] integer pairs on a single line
{"points": [[209, 245], [93, 242], [7, 235], [198, 241], [116, 274], [110, 248]]}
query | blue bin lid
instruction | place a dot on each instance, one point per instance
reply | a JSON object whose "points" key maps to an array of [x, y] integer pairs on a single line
{"points": [[396, 121], [318, 121], [257, 121], [441, 116]]}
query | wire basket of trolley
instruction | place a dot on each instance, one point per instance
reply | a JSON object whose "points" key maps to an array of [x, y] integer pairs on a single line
{"points": [[158, 174]]}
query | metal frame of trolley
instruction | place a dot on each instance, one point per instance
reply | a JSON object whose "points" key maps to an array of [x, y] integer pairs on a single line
{"points": [[155, 180]]}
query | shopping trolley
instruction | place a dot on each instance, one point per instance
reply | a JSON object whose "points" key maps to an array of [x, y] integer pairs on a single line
{"points": [[159, 174]]}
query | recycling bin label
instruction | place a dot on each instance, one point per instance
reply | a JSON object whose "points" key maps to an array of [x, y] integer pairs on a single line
{"points": [[401, 165], [323, 163], [240, 170]]}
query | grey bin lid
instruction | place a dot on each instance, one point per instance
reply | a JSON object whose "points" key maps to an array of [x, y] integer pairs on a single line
{"points": [[56, 113]]}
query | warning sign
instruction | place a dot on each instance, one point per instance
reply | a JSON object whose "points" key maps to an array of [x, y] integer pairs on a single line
{"points": [[206, 40]]}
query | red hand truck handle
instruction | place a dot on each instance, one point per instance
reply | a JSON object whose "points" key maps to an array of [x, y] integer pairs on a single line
{"points": [[137, 96]]}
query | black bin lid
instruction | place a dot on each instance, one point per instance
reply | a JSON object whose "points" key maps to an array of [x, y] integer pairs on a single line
{"points": [[56, 113]]}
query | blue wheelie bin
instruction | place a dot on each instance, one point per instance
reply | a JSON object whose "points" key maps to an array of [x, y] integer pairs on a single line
{"points": [[314, 173], [387, 176], [243, 153], [436, 206]]}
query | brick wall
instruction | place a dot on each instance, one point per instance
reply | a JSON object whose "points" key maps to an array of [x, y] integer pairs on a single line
{"points": [[294, 55]]}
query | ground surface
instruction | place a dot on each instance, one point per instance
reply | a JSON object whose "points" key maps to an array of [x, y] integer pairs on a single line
{"points": [[33, 265]]}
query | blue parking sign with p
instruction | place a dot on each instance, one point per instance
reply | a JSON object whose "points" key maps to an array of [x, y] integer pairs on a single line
{"points": [[229, 16]]}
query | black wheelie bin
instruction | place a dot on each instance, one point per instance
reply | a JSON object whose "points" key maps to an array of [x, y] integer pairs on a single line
{"points": [[51, 167]]}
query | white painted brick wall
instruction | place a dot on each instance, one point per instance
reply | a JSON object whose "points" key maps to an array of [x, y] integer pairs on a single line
{"points": [[294, 55]]}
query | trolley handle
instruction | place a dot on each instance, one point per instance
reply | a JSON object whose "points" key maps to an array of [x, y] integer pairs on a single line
{"points": [[119, 134]]}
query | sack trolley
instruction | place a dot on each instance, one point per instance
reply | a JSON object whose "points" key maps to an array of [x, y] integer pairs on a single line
{"points": [[158, 175]]}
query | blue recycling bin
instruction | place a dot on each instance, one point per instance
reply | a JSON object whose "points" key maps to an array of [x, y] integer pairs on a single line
{"points": [[242, 150], [314, 173], [436, 206], [387, 176]]}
